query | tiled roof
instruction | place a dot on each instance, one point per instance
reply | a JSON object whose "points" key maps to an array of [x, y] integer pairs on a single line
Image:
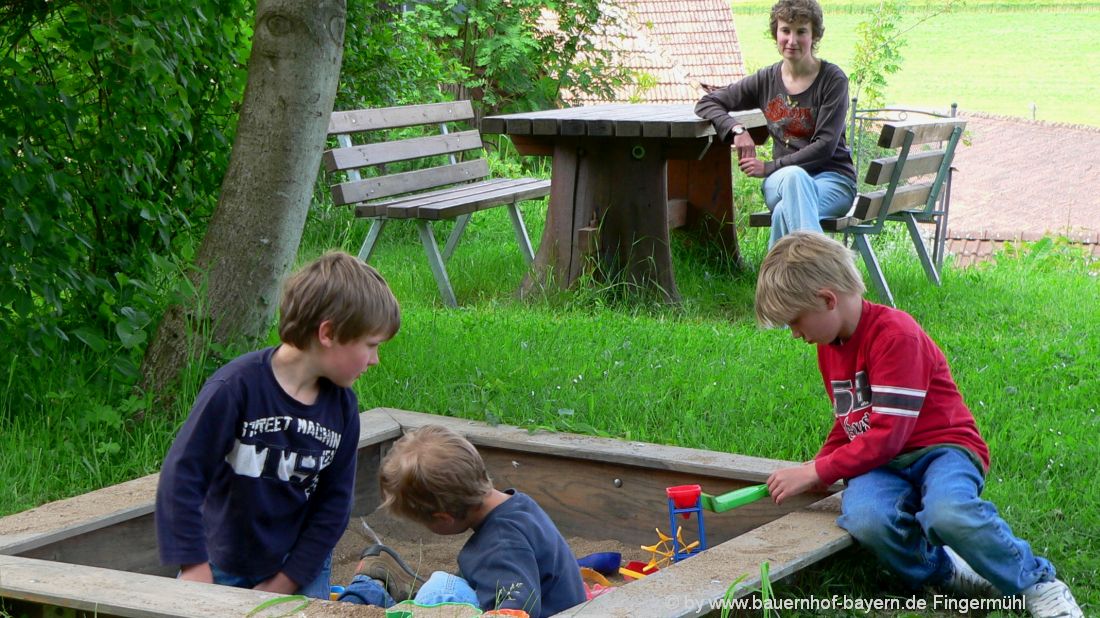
{"points": [[971, 247], [679, 44]]}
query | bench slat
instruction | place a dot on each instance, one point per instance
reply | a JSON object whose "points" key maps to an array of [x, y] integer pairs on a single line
{"points": [[405, 182], [869, 205], [354, 121], [893, 133], [838, 224], [444, 193], [920, 164], [406, 206], [760, 219], [521, 189], [380, 153]]}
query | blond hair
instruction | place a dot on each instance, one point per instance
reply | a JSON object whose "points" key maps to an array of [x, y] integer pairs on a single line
{"points": [[433, 470], [342, 290], [800, 265]]}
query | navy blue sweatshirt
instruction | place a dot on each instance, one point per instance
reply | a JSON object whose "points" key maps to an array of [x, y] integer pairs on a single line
{"points": [[257, 482], [518, 548]]}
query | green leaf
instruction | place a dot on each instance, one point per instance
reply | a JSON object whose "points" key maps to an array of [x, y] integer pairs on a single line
{"points": [[91, 338]]}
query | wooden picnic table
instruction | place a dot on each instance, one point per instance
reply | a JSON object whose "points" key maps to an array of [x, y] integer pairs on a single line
{"points": [[623, 175]]}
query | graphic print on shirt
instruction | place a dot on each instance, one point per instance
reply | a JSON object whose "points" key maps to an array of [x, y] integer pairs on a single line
{"points": [[298, 466], [852, 403], [792, 123]]}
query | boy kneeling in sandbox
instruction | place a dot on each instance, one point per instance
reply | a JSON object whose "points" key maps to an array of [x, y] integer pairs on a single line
{"points": [[516, 558]]}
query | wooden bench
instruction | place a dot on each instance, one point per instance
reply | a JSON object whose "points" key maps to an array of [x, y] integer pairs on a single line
{"points": [[421, 178], [908, 187]]}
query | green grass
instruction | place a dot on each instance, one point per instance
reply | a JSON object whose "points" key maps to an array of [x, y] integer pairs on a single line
{"points": [[997, 58], [1023, 337]]}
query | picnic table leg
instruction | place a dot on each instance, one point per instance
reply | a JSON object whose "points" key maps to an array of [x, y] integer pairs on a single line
{"points": [[707, 185], [619, 187]]}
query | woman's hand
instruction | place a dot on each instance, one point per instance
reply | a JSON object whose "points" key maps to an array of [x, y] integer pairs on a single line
{"points": [[790, 482], [752, 167], [744, 146]]}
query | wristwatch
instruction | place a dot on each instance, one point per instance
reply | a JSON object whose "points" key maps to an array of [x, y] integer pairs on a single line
{"points": [[737, 130]]}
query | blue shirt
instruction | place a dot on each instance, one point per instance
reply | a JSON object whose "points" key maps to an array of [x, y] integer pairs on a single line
{"points": [[517, 559], [256, 481]]}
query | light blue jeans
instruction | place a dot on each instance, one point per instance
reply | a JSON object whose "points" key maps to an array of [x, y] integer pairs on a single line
{"points": [[317, 589], [906, 515], [798, 200], [446, 588], [440, 588]]}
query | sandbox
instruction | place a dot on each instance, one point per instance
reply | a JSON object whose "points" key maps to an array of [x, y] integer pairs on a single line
{"points": [[96, 553]]}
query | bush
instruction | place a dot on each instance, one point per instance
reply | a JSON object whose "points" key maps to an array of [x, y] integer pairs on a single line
{"points": [[118, 119]]}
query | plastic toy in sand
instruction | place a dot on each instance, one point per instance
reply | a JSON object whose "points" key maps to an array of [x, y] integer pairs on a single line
{"points": [[686, 500]]}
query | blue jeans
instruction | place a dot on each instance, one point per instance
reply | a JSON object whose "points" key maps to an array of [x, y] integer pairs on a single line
{"points": [[906, 515], [317, 589], [363, 590], [798, 200], [440, 588], [446, 588]]}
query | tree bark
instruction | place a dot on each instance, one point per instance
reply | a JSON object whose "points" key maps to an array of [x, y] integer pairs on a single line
{"points": [[253, 237]]}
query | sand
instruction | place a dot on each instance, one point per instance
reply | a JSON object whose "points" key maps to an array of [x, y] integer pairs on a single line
{"points": [[425, 553]]}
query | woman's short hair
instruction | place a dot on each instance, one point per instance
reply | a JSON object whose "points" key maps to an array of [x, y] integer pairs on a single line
{"points": [[433, 470], [799, 266], [792, 11], [343, 290]]}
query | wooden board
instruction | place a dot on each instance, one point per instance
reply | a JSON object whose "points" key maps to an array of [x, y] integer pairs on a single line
{"points": [[691, 586], [356, 191], [108, 592], [880, 171], [924, 131], [115, 524], [353, 121], [381, 153], [593, 485]]}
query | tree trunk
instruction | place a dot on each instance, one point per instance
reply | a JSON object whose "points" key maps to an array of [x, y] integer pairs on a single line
{"points": [[254, 234]]}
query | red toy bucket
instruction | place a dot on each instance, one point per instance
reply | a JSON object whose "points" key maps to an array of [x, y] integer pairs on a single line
{"points": [[684, 496]]}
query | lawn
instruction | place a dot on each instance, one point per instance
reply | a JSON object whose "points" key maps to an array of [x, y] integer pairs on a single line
{"points": [[993, 58], [1022, 335]]}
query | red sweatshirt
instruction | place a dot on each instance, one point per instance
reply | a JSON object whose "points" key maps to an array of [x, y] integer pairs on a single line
{"points": [[892, 393]]}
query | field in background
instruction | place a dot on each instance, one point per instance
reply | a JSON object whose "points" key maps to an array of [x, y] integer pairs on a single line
{"points": [[991, 57]]}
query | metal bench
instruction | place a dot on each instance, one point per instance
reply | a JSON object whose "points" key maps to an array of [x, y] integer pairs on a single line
{"points": [[392, 176], [905, 189]]}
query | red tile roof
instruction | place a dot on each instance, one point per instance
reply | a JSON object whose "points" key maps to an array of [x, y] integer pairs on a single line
{"points": [[674, 45], [971, 247]]}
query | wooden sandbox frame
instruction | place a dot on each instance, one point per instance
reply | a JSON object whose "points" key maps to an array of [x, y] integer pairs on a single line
{"points": [[96, 553]]}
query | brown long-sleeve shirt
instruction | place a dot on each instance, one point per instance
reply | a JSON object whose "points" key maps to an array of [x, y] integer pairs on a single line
{"points": [[807, 129]]}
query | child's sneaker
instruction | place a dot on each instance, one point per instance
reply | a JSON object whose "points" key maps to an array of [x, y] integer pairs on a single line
{"points": [[966, 581], [1051, 600], [382, 563]]}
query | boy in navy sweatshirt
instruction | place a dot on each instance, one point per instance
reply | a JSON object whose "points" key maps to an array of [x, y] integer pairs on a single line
{"points": [[516, 558], [257, 487], [902, 437]]}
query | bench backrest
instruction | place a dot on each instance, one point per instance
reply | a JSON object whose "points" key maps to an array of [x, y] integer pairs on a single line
{"points": [[926, 169], [377, 149]]}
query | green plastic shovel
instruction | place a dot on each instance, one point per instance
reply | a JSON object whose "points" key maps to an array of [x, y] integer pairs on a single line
{"points": [[734, 499]]}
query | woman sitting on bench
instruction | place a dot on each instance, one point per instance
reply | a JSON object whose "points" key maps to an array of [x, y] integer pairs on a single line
{"points": [[805, 101]]}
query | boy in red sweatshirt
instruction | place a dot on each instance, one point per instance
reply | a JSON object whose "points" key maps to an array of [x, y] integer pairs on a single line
{"points": [[902, 438]]}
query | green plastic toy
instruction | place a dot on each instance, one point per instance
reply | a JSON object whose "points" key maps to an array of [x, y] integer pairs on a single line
{"points": [[733, 499]]}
